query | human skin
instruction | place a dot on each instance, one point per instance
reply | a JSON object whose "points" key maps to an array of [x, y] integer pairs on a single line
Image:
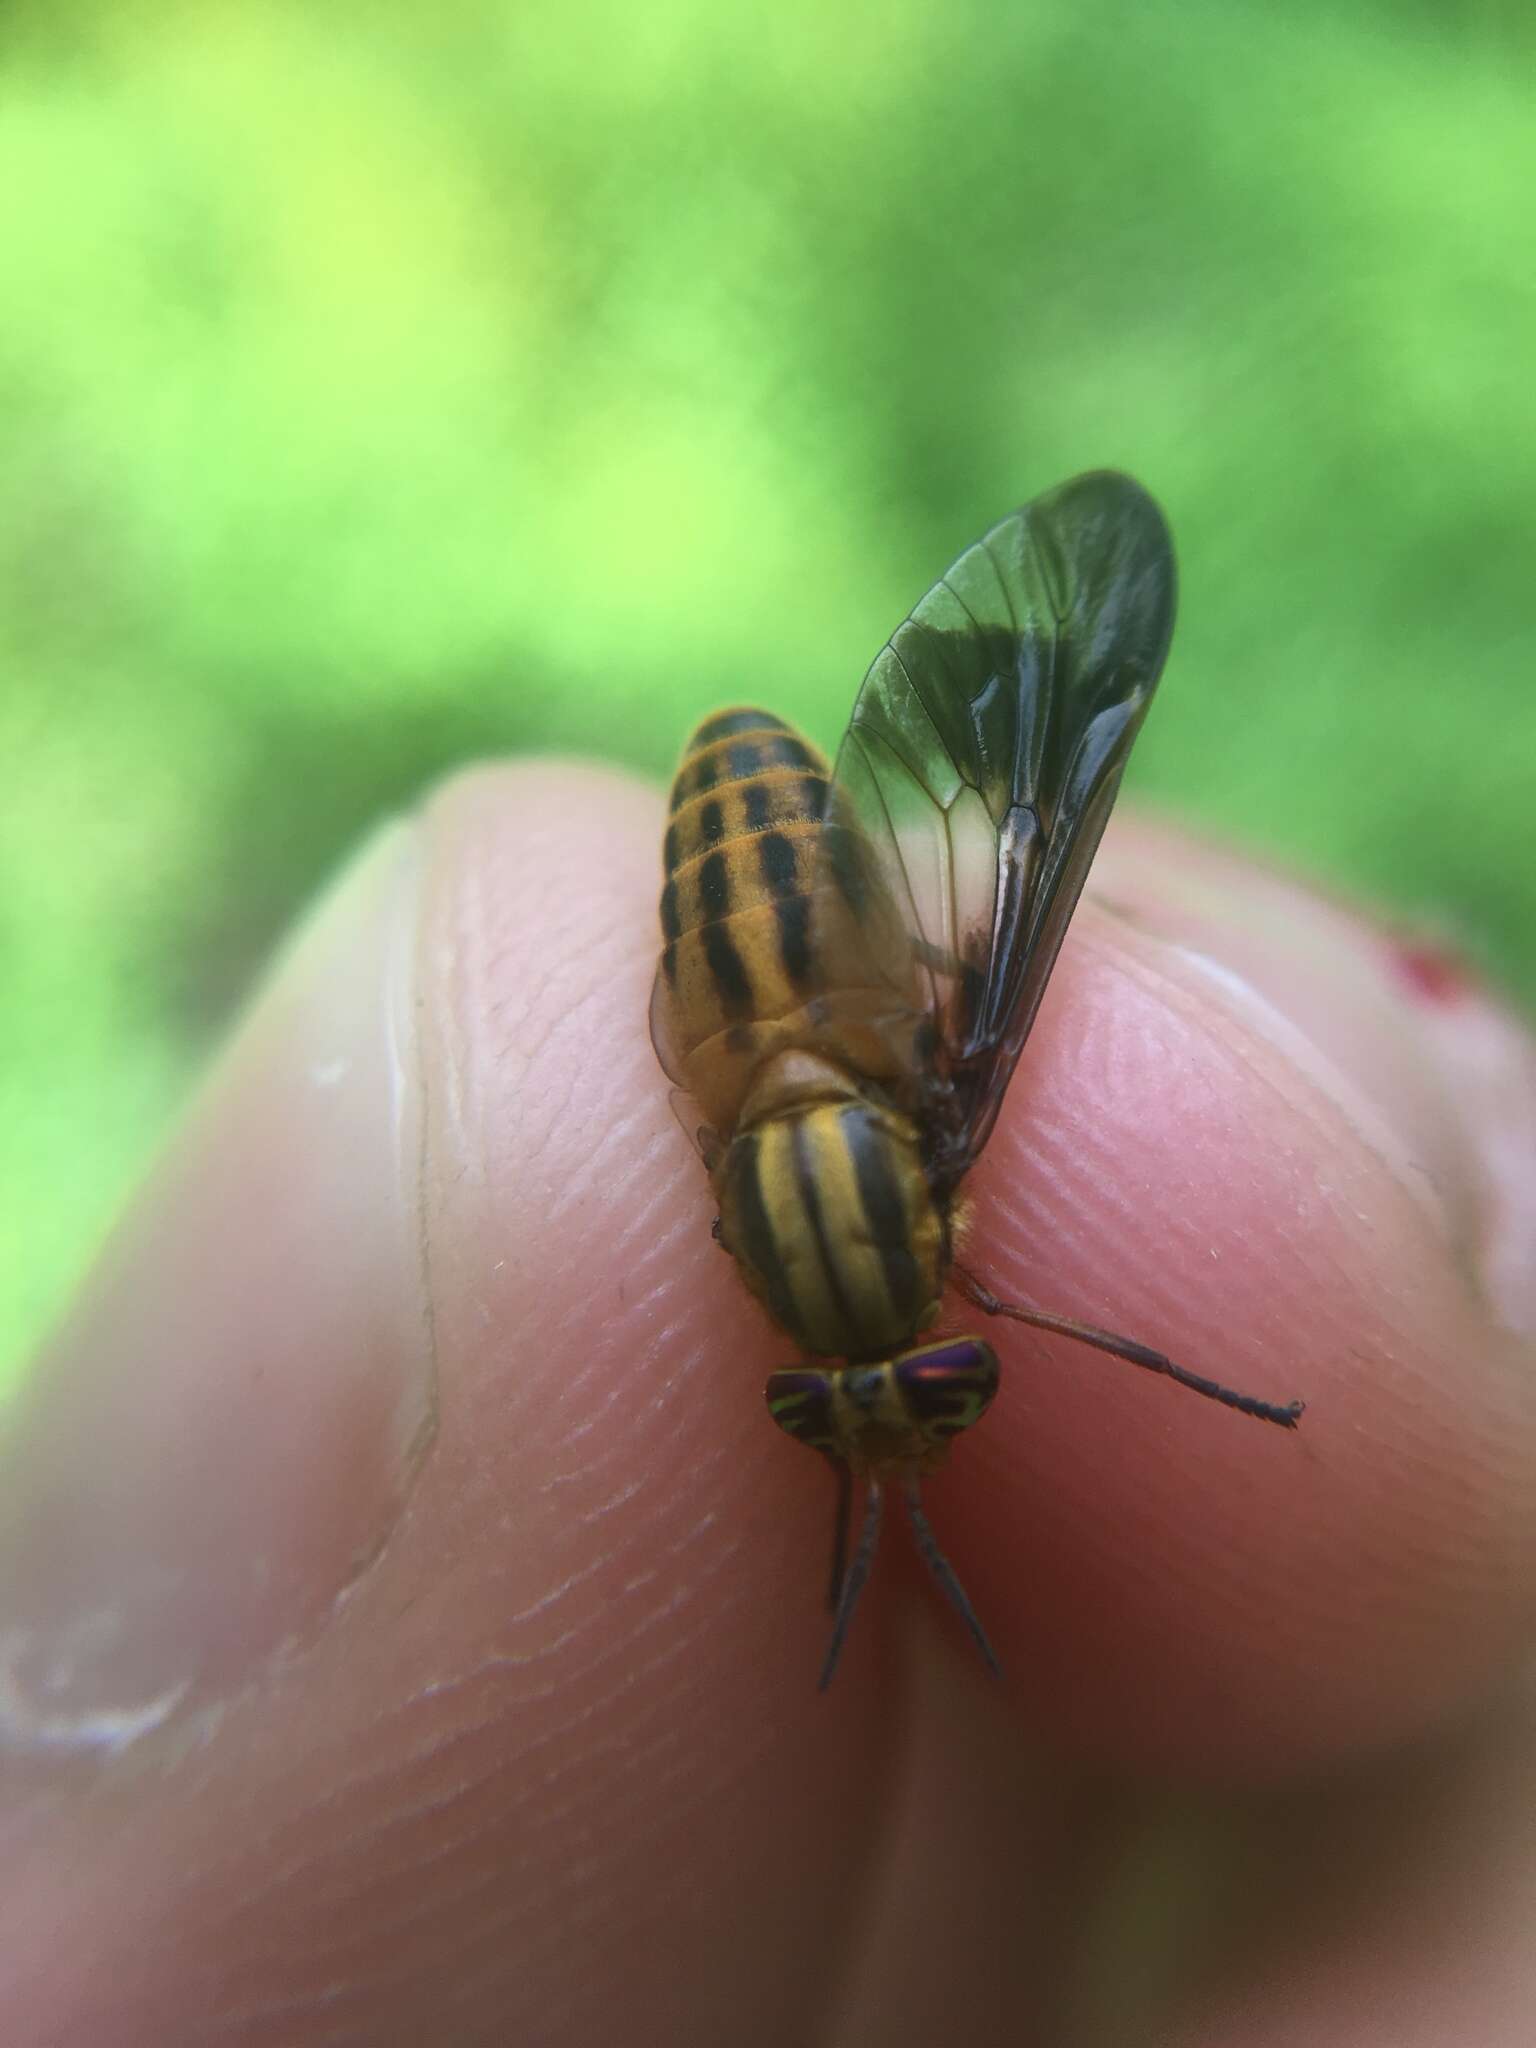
{"points": [[409, 1619]]}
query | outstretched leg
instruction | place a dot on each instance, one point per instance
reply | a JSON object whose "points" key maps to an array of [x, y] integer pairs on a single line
{"points": [[840, 1531], [944, 1572], [853, 1580], [1287, 1416]]}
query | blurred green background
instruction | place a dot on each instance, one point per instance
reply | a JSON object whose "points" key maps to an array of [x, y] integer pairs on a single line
{"points": [[384, 384]]}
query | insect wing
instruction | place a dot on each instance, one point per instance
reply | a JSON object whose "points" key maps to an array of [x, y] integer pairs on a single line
{"points": [[983, 756]]}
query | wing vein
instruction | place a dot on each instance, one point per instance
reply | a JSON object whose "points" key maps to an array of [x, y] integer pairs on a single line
{"points": [[996, 684]]}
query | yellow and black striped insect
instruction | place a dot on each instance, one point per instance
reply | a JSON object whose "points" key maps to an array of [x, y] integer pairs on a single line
{"points": [[852, 962]]}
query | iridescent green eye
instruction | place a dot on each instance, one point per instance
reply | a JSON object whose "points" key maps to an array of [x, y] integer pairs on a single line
{"points": [[800, 1402]]}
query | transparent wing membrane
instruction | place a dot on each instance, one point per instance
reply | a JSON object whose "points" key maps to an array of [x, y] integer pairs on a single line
{"points": [[983, 757]]}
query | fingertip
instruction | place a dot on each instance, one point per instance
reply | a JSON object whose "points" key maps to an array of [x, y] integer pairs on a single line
{"points": [[1283, 1201]]}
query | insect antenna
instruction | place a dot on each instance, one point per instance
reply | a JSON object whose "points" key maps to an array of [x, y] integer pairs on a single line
{"points": [[1287, 1415], [944, 1572], [853, 1580], [840, 1531]]}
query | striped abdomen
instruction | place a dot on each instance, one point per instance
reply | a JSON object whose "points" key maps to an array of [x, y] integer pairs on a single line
{"points": [[776, 931], [826, 1208]]}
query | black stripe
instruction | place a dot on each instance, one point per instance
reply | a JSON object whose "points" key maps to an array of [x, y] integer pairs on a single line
{"points": [[669, 850], [757, 806], [745, 757], [729, 970], [724, 723], [671, 921], [706, 773], [758, 1245], [785, 751], [810, 1194], [711, 823], [794, 916], [776, 859], [669, 965], [715, 886], [938, 1407], [884, 1210], [813, 794], [945, 1407], [846, 854]]}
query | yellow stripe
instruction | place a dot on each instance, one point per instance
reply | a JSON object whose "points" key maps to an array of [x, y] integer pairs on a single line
{"points": [[687, 827], [861, 1269], [794, 1238], [749, 885]]}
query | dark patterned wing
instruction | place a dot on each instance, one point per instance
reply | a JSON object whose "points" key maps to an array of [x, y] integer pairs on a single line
{"points": [[983, 757]]}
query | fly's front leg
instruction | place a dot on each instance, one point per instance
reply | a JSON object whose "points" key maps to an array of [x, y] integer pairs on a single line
{"points": [[1286, 1415]]}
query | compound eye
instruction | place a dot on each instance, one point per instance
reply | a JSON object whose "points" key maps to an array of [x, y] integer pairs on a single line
{"points": [[947, 1387], [800, 1402]]}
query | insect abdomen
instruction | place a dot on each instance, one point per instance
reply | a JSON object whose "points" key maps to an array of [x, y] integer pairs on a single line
{"points": [[739, 852], [828, 1213], [765, 915]]}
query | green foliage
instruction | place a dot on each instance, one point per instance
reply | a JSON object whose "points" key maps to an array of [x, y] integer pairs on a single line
{"points": [[382, 384]]}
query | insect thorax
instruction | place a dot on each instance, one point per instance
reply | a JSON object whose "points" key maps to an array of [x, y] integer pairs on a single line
{"points": [[826, 1207]]}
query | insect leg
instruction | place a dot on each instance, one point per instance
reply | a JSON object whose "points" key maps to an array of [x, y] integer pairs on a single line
{"points": [[1287, 1415], [840, 1530], [944, 1572], [853, 1580]]}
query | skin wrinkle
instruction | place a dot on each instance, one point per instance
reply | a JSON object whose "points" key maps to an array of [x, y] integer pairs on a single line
{"points": [[386, 1826], [547, 1817], [1368, 1125], [1321, 1113], [560, 996], [595, 1174], [240, 2021], [546, 1006], [441, 1748], [553, 1815], [415, 1864], [1214, 1019], [1092, 1233], [417, 1870], [1440, 1062]]}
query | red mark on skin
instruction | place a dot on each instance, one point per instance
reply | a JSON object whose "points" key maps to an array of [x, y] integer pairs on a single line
{"points": [[1434, 975]]}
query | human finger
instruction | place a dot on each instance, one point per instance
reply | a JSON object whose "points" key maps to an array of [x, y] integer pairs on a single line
{"points": [[397, 1638]]}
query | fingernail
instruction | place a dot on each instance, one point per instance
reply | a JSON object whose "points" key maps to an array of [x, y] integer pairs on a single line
{"points": [[1427, 1066], [225, 1428]]}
